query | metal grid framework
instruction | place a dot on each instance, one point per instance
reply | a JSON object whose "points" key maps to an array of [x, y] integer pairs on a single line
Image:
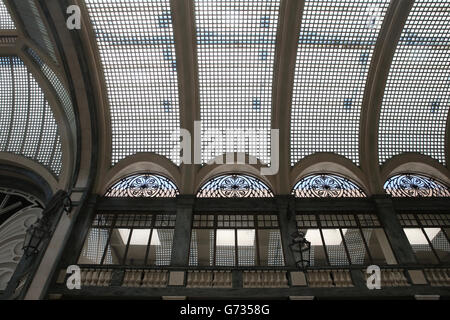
{"points": [[335, 50], [429, 236], [6, 23], [235, 186], [343, 239], [143, 186], [408, 185], [99, 247], [35, 26], [137, 50], [236, 53], [27, 125], [417, 97], [327, 186], [243, 245], [59, 87]]}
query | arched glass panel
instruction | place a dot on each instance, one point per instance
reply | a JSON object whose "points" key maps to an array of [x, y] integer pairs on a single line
{"points": [[6, 22], [27, 124], [144, 186], [235, 186], [137, 50], [407, 185], [417, 97], [327, 186], [337, 40], [236, 54]]}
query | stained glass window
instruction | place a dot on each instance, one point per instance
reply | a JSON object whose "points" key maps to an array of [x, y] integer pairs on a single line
{"points": [[137, 49], [235, 186], [236, 52], [327, 186], [337, 40], [417, 96]]}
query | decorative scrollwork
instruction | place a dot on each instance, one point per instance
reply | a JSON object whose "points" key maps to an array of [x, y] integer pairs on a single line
{"points": [[407, 185], [235, 186], [144, 186], [327, 186]]}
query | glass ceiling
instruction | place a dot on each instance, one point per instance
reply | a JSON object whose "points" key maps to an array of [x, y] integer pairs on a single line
{"points": [[136, 44], [417, 96], [27, 124], [236, 50], [336, 43], [6, 22]]}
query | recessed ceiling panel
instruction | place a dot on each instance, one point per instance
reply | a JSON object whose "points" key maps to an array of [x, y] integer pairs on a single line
{"points": [[336, 43], [417, 97], [137, 49]]}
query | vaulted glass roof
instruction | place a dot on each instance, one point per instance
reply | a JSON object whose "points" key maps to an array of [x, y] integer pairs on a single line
{"points": [[336, 43], [136, 44], [27, 123], [6, 22], [417, 97], [236, 51]]}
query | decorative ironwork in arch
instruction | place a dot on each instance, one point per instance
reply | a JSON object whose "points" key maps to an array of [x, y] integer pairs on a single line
{"points": [[327, 186], [235, 186], [143, 186], [414, 185]]}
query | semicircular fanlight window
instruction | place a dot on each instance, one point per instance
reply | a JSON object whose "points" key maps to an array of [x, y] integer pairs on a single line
{"points": [[143, 186], [408, 185], [235, 186], [327, 186]]}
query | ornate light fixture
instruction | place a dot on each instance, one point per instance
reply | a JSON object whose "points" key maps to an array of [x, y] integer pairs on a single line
{"points": [[36, 234], [42, 229], [303, 247]]}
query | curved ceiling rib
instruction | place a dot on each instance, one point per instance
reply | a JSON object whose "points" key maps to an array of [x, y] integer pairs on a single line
{"points": [[34, 25], [337, 40], [27, 124], [6, 22], [417, 96], [136, 45], [236, 52]]}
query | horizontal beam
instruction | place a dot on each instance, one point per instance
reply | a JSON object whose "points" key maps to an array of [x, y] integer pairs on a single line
{"points": [[342, 293]]}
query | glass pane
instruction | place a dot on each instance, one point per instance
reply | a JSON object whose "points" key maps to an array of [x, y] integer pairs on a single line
{"points": [[202, 248], [160, 252], [94, 246], [335, 247], [356, 247], [318, 256], [138, 247], [439, 243], [118, 244], [420, 246], [379, 247], [270, 248], [246, 247], [225, 248], [236, 51]]}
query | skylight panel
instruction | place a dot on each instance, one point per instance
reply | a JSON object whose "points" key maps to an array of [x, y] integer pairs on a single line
{"points": [[6, 22], [27, 124], [137, 49], [336, 43], [236, 51], [417, 97]]}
